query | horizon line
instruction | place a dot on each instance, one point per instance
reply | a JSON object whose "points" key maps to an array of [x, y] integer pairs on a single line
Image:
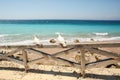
{"points": [[69, 19]]}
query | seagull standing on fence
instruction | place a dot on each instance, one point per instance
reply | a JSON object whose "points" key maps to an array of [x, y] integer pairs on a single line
{"points": [[61, 40], [36, 39]]}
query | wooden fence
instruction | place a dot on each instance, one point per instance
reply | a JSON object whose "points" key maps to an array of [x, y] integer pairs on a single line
{"points": [[80, 48]]}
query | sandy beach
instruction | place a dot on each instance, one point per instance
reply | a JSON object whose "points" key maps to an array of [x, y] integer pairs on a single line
{"points": [[13, 71]]}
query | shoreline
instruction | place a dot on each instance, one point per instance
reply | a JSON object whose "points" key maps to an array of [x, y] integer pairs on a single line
{"points": [[68, 43]]}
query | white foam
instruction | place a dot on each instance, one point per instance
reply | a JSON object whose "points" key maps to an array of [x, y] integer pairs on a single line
{"points": [[107, 39], [25, 42], [69, 40], [58, 33], [3, 35], [94, 39], [101, 34]]}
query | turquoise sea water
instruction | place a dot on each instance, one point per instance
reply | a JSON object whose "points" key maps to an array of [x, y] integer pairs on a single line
{"points": [[22, 31]]}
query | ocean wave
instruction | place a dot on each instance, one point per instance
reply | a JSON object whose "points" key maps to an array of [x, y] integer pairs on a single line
{"points": [[101, 34], [94, 39], [59, 33], [108, 39], [25, 42], [3, 35], [68, 40]]}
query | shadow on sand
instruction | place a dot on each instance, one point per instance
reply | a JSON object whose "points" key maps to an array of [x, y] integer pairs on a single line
{"points": [[74, 74]]}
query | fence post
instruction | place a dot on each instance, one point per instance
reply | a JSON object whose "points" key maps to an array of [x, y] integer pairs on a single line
{"points": [[25, 59], [83, 63]]}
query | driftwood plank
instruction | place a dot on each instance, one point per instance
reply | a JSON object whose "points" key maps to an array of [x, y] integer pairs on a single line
{"points": [[70, 50], [15, 60], [35, 60], [101, 63], [71, 63], [61, 60], [25, 59], [82, 63], [104, 53], [36, 52]]}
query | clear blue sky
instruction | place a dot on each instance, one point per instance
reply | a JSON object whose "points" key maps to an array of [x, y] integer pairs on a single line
{"points": [[60, 9]]}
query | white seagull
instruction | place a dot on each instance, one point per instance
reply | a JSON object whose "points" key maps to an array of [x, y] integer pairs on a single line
{"points": [[36, 40], [61, 40]]}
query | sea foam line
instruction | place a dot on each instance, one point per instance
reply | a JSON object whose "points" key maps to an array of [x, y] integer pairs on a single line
{"points": [[68, 40], [94, 39], [3, 35], [100, 34]]}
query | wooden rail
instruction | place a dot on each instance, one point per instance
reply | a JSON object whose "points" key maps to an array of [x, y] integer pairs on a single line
{"points": [[81, 49]]}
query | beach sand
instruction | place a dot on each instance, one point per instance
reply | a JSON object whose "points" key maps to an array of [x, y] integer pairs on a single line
{"points": [[13, 71]]}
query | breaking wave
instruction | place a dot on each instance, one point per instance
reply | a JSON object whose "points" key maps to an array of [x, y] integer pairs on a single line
{"points": [[101, 34], [3, 35], [21, 39], [70, 40]]}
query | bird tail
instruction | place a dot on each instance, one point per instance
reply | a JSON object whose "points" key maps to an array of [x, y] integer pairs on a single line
{"points": [[63, 44]]}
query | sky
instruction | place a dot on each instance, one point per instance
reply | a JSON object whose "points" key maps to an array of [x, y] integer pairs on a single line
{"points": [[60, 9]]}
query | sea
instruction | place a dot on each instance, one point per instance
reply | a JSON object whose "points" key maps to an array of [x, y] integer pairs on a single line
{"points": [[18, 32]]}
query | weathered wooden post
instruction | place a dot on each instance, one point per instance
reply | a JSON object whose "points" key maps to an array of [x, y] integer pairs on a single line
{"points": [[25, 59], [82, 51]]}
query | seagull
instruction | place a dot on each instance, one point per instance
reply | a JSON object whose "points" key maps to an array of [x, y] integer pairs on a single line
{"points": [[61, 40], [36, 40]]}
